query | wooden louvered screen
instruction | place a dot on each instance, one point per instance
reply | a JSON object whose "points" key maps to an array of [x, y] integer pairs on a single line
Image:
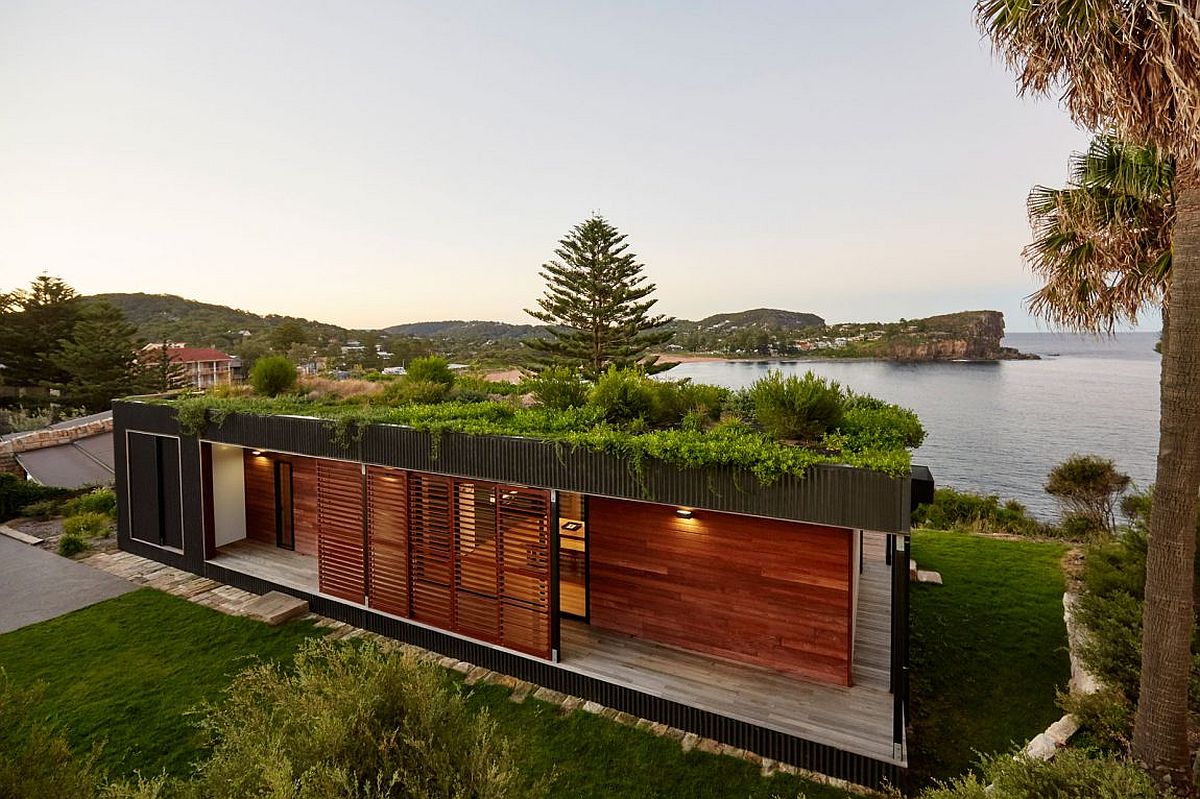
{"points": [[477, 578], [387, 526], [340, 562], [431, 548], [524, 558]]}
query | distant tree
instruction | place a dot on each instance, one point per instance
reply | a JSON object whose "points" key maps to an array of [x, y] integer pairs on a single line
{"points": [[431, 368], [100, 358], [273, 375], [160, 372], [596, 302], [287, 334], [1088, 486], [32, 323]]}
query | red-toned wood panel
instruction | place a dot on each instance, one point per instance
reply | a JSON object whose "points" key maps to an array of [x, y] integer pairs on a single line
{"points": [[431, 549], [761, 591], [260, 499], [340, 560], [387, 531], [524, 557]]}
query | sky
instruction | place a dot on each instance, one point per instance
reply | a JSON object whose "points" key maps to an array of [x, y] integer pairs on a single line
{"points": [[369, 164]]}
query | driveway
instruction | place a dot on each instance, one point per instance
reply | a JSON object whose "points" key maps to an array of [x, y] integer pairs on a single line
{"points": [[36, 585]]}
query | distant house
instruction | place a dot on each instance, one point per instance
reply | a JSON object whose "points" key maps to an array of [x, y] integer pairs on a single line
{"points": [[204, 367]]}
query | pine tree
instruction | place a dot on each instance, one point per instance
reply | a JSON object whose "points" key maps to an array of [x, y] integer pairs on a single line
{"points": [[100, 358], [596, 304], [32, 322], [161, 372]]}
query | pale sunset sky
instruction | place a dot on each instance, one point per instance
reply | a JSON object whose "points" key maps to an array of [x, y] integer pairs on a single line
{"points": [[375, 163]]}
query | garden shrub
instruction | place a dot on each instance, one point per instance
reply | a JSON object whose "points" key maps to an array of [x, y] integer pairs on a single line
{"points": [[559, 388], [622, 395], [43, 509], [411, 391], [952, 509], [273, 375], [71, 544], [1072, 774], [1088, 486], [672, 400], [88, 524], [352, 721], [98, 500], [17, 492], [36, 761], [430, 368], [1105, 719], [797, 408]]}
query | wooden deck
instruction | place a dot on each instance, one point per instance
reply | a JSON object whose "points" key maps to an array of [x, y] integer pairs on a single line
{"points": [[280, 566], [856, 719]]}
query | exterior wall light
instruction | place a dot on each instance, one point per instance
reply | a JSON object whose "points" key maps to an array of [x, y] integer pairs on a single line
{"points": [[683, 513], [256, 452]]}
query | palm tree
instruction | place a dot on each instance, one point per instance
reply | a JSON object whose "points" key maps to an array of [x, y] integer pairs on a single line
{"points": [[1103, 243], [1132, 67]]}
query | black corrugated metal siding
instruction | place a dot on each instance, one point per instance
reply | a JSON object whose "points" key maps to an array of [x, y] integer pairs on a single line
{"points": [[829, 494]]}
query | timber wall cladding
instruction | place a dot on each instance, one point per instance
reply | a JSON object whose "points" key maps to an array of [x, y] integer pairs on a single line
{"points": [[341, 562], [260, 499], [760, 591], [387, 529]]}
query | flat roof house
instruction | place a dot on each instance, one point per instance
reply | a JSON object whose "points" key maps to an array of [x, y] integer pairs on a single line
{"points": [[772, 618]]}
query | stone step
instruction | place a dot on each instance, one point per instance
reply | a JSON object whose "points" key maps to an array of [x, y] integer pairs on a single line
{"points": [[24, 538], [275, 608]]}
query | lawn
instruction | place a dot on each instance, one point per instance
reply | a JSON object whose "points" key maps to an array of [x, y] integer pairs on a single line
{"points": [[129, 671], [988, 648]]}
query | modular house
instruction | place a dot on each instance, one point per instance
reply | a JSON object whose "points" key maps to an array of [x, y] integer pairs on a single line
{"points": [[772, 618]]}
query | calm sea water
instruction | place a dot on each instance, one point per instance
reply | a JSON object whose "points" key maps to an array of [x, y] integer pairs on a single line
{"points": [[998, 428]]}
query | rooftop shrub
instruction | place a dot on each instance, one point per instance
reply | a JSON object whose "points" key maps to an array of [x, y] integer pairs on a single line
{"points": [[622, 395], [273, 375], [559, 388], [433, 368], [799, 409]]}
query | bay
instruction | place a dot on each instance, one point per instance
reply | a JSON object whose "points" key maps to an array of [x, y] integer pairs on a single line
{"points": [[999, 427]]}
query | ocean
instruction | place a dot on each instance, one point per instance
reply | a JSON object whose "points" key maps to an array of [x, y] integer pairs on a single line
{"points": [[999, 427]]}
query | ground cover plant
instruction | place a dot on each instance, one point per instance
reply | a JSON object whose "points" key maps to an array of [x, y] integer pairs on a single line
{"points": [[623, 413], [131, 670], [964, 511], [988, 648]]}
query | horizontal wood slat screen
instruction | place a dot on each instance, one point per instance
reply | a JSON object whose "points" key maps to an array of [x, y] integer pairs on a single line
{"points": [[477, 576], [524, 538], [387, 526], [340, 562], [762, 591], [431, 548]]}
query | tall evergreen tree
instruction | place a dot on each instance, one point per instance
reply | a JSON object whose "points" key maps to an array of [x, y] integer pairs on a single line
{"points": [[596, 302], [161, 373], [32, 323], [100, 358]]}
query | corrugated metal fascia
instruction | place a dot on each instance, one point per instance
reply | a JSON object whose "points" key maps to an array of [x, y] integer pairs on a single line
{"points": [[829, 494]]}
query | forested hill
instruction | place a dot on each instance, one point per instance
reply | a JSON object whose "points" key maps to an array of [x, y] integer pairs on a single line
{"points": [[459, 329], [166, 316]]}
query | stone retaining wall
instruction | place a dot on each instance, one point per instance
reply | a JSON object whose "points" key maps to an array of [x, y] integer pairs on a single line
{"points": [[47, 437]]}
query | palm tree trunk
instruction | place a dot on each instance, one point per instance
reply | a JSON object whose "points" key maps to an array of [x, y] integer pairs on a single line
{"points": [[1160, 728]]}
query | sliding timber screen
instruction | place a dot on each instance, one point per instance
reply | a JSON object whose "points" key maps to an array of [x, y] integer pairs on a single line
{"points": [[387, 545], [341, 565]]}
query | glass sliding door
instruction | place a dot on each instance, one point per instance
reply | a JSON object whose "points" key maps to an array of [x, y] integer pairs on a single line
{"points": [[572, 555], [285, 517]]}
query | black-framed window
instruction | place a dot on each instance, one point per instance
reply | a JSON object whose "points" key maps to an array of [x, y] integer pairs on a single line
{"points": [[285, 511]]}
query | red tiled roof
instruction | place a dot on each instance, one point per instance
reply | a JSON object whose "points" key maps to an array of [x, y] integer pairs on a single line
{"points": [[194, 354]]}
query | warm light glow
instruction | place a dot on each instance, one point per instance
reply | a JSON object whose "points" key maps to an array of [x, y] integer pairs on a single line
{"points": [[683, 513], [256, 452]]}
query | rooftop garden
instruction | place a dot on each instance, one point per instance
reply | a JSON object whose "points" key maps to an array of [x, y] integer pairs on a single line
{"points": [[778, 426]]}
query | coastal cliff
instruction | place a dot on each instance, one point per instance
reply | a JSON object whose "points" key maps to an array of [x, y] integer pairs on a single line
{"points": [[963, 336]]}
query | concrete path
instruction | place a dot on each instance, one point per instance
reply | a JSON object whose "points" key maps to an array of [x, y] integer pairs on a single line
{"points": [[36, 585]]}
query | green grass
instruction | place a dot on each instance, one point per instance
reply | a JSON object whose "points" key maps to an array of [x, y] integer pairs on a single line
{"points": [[988, 648], [130, 670], [127, 671], [593, 757]]}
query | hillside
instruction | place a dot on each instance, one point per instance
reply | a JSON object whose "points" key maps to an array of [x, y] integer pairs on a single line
{"points": [[166, 316], [966, 335], [760, 317], [458, 329]]}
